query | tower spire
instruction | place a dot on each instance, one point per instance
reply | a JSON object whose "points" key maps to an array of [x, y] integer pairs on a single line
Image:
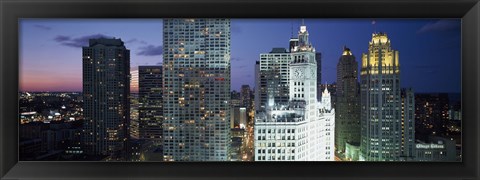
{"points": [[303, 22]]}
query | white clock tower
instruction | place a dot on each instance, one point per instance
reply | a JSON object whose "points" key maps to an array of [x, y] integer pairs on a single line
{"points": [[303, 71], [307, 124]]}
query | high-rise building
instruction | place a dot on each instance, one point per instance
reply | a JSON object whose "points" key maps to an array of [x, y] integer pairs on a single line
{"points": [[245, 96], [347, 116], [134, 125], [431, 111], [273, 78], [238, 117], [256, 97], [106, 91], [150, 124], [318, 58], [134, 81], [408, 124], [301, 129], [381, 112], [196, 63]]}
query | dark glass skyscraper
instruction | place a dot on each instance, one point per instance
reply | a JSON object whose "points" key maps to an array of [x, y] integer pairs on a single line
{"points": [[106, 90], [347, 117], [318, 58], [245, 96], [151, 103]]}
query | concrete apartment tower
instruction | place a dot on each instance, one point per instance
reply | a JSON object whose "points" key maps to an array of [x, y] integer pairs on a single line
{"points": [[196, 73]]}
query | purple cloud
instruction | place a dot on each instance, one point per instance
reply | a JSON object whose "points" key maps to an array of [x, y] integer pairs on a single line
{"points": [[150, 50], [440, 25], [78, 42], [61, 38], [136, 41]]}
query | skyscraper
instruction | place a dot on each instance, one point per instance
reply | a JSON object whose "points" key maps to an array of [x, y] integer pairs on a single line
{"points": [[238, 117], [134, 81], [302, 128], [196, 63], [408, 124], [274, 78], [151, 103], [347, 117], [245, 96], [257, 86], [106, 90], [318, 58], [381, 135]]}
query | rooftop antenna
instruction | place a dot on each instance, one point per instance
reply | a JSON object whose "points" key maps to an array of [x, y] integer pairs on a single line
{"points": [[326, 85], [303, 22], [291, 33]]}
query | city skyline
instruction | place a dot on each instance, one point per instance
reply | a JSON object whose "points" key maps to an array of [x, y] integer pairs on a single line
{"points": [[426, 69], [186, 111]]}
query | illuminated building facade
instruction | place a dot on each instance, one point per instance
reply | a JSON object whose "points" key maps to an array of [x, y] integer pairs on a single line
{"points": [[381, 135], [196, 63], [303, 128], [347, 116], [292, 43], [106, 90], [150, 103], [238, 117], [273, 78], [324, 125], [134, 133], [134, 81]]}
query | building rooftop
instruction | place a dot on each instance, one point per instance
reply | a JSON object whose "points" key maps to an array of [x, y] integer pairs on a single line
{"points": [[294, 111], [107, 42], [278, 50], [280, 116]]}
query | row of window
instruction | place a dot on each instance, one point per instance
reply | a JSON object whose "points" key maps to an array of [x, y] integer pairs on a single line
{"points": [[259, 131]]}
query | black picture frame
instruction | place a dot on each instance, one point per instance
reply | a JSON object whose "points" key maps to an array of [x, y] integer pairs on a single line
{"points": [[11, 11]]}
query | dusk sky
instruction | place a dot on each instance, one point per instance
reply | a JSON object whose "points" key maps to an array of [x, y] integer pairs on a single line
{"points": [[429, 49]]}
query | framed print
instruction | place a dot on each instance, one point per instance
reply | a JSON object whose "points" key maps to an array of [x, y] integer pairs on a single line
{"points": [[239, 89]]}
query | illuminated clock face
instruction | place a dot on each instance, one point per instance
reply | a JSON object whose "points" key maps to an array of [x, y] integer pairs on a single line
{"points": [[298, 73]]}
